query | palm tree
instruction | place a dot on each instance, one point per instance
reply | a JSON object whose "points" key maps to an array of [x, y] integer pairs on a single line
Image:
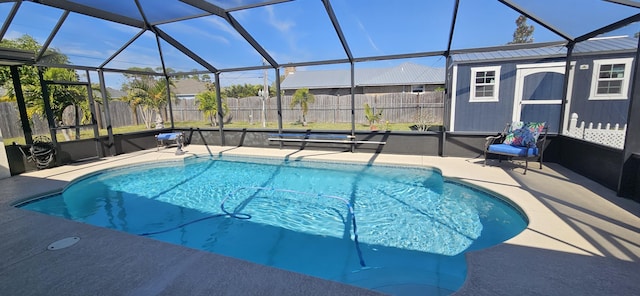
{"points": [[136, 95], [149, 93], [303, 98], [208, 103], [371, 116], [158, 96]]}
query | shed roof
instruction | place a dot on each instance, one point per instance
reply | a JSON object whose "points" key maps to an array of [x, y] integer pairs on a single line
{"points": [[591, 46]]}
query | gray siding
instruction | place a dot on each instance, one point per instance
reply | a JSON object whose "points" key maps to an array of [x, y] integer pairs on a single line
{"points": [[596, 111], [489, 116], [475, 116]]}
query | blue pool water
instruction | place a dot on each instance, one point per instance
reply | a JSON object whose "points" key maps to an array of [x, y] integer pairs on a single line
{"points": [[398, 230]]}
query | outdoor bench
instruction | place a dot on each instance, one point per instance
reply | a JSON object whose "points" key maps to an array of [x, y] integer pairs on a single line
{"points": [[320, 138]]}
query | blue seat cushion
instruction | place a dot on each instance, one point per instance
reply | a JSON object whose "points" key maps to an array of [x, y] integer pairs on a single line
{"points": [[513, 150]]}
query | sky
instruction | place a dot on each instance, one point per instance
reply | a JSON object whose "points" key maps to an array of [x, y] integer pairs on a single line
{"points": [[301, 31]]}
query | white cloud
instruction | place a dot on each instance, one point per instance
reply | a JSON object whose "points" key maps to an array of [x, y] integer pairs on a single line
{"points": [[124, 28], [278, 22], [196, 32], [80, 51], [285, 29], [13, 35], [367, 35], [224, 26], [136, 56]]}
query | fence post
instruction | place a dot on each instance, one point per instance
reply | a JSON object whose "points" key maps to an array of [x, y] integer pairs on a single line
{"points": [[573, 123]]}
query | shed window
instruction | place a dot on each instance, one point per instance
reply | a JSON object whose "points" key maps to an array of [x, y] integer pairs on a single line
{"points": [[610, 79], [485, 83]]}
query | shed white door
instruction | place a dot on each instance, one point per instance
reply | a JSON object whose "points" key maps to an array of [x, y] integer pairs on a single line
{"points": [[538, 94]]}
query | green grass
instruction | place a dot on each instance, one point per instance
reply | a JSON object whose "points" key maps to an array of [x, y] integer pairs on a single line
{"points": [[87, 133]]}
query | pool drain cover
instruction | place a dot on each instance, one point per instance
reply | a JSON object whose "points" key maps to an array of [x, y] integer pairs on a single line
{"points": [[63, 243]]}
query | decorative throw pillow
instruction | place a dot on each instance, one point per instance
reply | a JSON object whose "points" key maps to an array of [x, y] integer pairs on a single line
{"points": [[511, 137], [536, 129], [524, 134], [516, 125]]}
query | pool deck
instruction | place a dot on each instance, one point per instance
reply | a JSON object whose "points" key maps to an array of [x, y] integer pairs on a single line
{"points": [[581, 239]]}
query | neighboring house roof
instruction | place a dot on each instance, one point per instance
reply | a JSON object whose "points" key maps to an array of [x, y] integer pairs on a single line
{"points": [[184, 87], [317, 79], [407, 74], [404, 74], [115, 93], [602, 45]]}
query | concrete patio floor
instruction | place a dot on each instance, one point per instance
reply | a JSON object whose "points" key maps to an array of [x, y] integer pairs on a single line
{"points": [[581, 239]]}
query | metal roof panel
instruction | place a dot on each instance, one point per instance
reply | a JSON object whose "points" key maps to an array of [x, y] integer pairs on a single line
{"points": [[611, 44], [403, 74]]}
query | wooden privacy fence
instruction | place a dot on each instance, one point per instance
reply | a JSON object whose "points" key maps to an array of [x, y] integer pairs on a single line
{"points": [[408, 108], [11, 126], [397, 107]]}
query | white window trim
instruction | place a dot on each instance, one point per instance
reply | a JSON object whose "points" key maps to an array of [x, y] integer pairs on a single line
{"points": [[496, 85], [593, 95]]}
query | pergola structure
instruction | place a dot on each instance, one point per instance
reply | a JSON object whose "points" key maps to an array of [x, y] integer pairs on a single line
{"points": [[188, 30]]}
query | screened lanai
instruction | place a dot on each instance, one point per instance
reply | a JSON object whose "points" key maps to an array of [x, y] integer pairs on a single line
{"points": [[358, 55]]}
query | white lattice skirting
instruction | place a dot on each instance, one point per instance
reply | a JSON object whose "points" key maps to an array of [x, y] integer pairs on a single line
{"points": [[608, 136]]}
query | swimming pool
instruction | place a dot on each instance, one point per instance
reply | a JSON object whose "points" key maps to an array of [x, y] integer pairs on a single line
{"points": [[398, 230]]}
